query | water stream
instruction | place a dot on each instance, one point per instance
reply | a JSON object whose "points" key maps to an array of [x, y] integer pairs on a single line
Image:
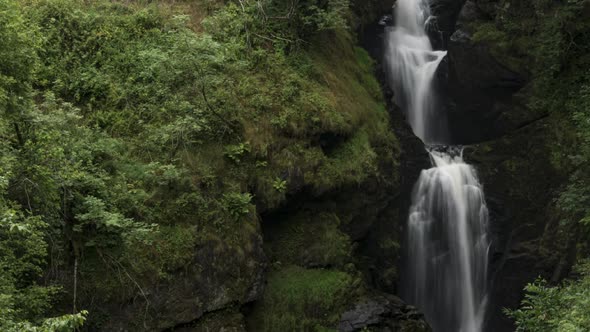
{"points": [[411, 67], [447, 244]]}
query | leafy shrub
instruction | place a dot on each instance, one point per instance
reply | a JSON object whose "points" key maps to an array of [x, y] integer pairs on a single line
{"points": [[564, 308], [237, 204]]}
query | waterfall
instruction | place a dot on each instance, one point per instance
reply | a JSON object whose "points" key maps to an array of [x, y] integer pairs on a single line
{"points": [[445, 269], [411, 67], [447, 245]]}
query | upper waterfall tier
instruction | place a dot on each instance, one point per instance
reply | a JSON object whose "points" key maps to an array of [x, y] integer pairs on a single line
{"points": [[412, 64], [445, 272]]}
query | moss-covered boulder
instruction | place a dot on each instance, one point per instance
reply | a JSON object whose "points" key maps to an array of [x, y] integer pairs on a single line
{"points": [[224, 269], [228, 320], [383, 313], [300, 299], [308, 239]]}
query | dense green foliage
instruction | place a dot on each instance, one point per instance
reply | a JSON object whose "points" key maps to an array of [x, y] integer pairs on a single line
{"points": [[565, 308], [133, 134]]}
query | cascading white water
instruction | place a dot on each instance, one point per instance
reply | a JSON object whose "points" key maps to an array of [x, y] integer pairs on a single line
{"points": [[447, 254], [412, 64], [447, 245]]}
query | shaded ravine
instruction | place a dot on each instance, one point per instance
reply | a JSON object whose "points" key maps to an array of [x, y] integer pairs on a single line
{"points": [[447, 244]]}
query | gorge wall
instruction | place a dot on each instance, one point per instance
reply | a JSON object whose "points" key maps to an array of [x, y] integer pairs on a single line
{"points": [[487, 100], [318, 192], [241, 165], [489, 86], [492, 105]]}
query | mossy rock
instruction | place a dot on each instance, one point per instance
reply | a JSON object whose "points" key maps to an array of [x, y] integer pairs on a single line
{"points": [[308, 239], [299, 299], [382, 312], [230, 320], [221, 268]]}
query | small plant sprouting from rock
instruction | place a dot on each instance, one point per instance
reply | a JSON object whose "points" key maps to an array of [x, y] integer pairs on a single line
{"points": [[280, 185], [236, 152], [237, 204]]}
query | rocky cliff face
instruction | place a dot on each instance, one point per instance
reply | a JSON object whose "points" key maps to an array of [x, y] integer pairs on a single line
{"points": [[338, 252], [329, 258], [488, 104], [223, 276], [520, 188], [480, 92]]}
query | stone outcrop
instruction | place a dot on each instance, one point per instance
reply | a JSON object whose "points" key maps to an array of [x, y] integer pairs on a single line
{"points": [[383, 313], [519, 185], [484, 99], [441, 25], [481, 100], [223, 274]]}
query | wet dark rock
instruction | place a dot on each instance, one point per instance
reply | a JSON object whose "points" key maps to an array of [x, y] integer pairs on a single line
{"points": [[488, 8], [482, 101], [447, 12], [480, 91], [383, 313], [379, 242], [381, 247], [441, 25], [469, 13], [519, 185], [461, 36], [229, 320], [369, 12], [386, 20]]}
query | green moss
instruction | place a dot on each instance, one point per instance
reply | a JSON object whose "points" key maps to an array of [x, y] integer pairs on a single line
{"points": [[347, 75], [298, 299], [154, 258], [230, 320], [170, 249], [352, 162], [333, 93], [308, 239]]}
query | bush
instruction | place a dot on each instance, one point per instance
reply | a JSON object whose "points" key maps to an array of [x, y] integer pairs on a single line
{"points": [[564, 308]]}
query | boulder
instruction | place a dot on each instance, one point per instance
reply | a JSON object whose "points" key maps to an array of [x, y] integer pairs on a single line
{"points": [[383, 313], [229, 320]]}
